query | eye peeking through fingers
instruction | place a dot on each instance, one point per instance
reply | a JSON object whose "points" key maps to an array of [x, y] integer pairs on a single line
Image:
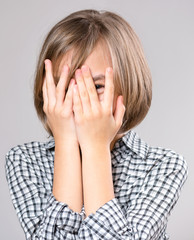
{"points": [[99, 88]]}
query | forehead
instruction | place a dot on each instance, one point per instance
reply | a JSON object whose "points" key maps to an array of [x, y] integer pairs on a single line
{"points": [[98, 60], [66, 59]]}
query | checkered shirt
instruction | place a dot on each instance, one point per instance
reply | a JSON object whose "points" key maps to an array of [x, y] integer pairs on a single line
{"points": [[147, 183]]}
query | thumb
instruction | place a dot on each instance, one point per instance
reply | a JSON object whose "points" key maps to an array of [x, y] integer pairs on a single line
{"points": [[119, 111]]}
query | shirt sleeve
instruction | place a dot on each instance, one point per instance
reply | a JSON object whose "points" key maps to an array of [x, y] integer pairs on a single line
{"points": [[147, 211], [40, 214]]}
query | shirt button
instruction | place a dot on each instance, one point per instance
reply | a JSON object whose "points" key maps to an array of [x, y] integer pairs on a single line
{"points": [[129, 229]]}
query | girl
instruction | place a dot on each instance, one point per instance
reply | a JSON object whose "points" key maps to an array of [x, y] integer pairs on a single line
{"points": [[96, 178]]}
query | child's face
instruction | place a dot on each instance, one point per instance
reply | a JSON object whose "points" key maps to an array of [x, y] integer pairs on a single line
{"points": [[97, 61]]}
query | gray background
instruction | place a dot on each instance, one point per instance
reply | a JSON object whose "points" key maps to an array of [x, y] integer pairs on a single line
{"points": [[166, 30]]}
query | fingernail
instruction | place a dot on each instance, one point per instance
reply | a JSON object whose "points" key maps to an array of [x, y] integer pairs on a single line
{"points": [[78, 72], [75, 88], [72, 81], [46, 61], [84, 68]]}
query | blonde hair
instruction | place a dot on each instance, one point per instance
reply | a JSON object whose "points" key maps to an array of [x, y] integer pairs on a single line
{"points": [[81, 31]]}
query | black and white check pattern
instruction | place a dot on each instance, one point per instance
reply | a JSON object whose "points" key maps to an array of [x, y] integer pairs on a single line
{"points": [[147, 183]]}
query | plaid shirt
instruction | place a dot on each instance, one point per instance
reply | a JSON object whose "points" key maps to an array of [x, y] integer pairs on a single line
{"points": [[147, 182]]}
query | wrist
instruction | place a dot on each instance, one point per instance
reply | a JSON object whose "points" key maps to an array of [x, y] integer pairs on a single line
{"points": [[96, 144], [67, 150], [95, 148], [66, 143]]}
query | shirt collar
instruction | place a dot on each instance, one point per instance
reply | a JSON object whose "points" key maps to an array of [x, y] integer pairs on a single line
{"points": [[50, 144], [131, 140], [135, 143]]}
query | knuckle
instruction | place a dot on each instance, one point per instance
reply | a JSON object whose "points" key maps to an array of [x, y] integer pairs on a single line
{"points": [[97, 113], [57, 110], [78, 121], [84, 94], [92, 90], [88, 116], [65, 114], [44, 108], [108, 112], [50, 109], [58, 90], [111, 89]]}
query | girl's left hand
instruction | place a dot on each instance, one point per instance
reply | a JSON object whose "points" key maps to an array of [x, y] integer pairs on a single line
{"points": [[94, 120]]}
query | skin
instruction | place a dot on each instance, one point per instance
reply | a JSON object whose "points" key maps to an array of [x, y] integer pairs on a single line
{"points": [[89, 119], [101, 53], [67, 179]]}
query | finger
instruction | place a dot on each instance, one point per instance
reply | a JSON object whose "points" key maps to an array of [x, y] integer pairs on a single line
{"points": [[109, 89], [61, 86], [45, 97], [83, 94], [119, 111], [50, 85], [77, 105], [68, 103], [90, 86]]}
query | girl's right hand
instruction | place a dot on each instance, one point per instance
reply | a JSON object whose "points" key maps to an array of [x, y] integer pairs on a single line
{"points": [[58, 106]]}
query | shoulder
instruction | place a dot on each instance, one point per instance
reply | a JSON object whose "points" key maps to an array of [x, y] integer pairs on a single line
{"points": [[160, 167], [157, 158], [167, 157], [167, 163], [28, 152]]}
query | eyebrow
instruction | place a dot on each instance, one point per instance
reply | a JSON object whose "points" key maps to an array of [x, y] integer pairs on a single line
{"points": [[99, 77]]}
